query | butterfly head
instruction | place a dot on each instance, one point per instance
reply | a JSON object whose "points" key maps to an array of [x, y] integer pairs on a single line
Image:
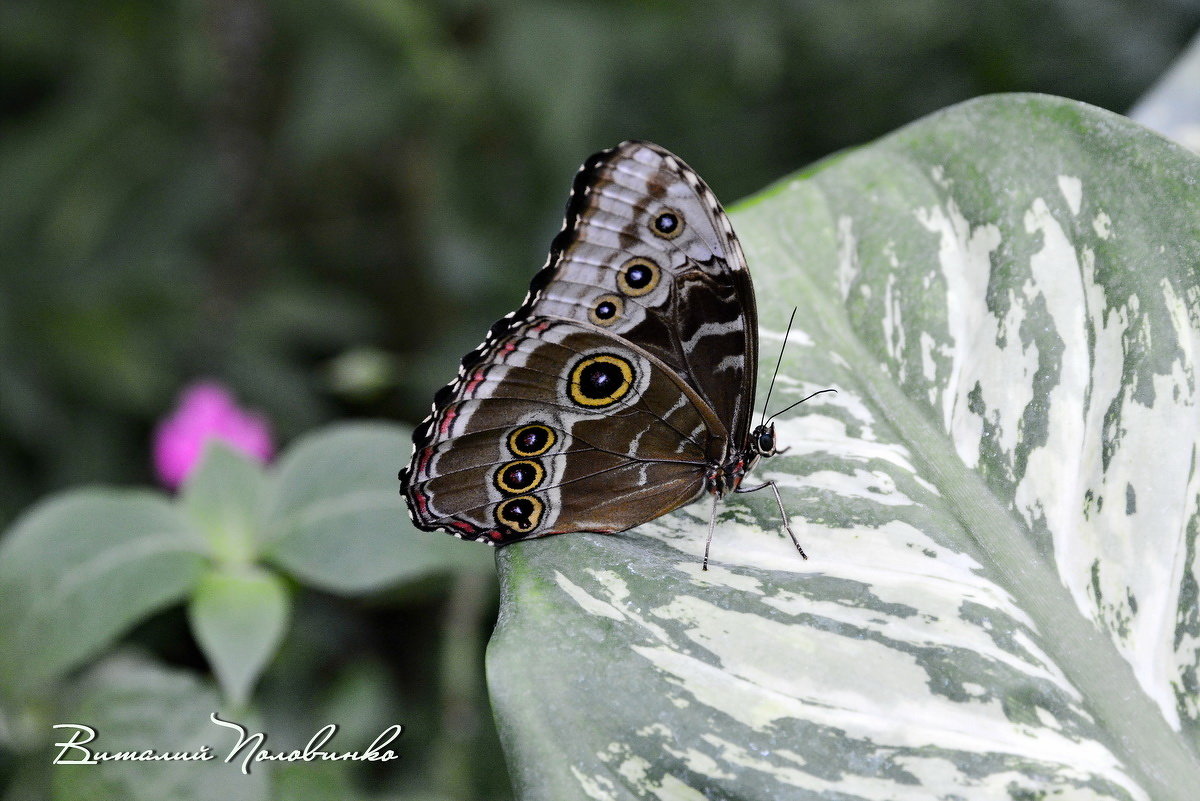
{"points": [[762, 440]]}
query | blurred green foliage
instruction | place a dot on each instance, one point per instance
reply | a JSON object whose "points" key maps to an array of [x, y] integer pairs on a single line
{"points": [[324, 204], [274, 566]]}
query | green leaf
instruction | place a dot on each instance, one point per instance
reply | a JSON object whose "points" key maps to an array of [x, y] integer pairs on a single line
{"points": [[313, 781], [81, 568], [339, 521], [223, 496], [133, 704], [239, 616], [1001, 503]]}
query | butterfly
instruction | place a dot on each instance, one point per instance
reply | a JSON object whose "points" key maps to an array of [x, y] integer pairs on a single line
{"points": [[623, 386]]}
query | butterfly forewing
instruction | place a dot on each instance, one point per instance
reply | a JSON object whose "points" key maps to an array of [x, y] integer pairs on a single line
{"points": [[648, 254]]}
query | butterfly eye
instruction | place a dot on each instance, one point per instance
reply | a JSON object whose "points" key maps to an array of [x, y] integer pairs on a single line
{"points": [[607, 310], [531, 440], [517, 477], [668, 224], [638, 277], [600, 380], [521, 514]]}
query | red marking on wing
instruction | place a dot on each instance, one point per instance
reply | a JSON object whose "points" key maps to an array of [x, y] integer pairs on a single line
{"points": [[447, 420], [422, 503], [473, 384]]}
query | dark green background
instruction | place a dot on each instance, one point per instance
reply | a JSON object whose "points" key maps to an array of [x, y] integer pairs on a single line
{"points": [[324, 203], [250, 190]]}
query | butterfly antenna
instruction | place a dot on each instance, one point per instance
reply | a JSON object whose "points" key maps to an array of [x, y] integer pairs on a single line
{"points": [[778, 362], [797, 403]]}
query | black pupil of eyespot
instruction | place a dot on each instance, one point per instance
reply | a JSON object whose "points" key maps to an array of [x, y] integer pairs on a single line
{"points": [[532, 439], [600, 380], [519, 511], [637, 276], [518, 476], [606, 309], [666, 223]]}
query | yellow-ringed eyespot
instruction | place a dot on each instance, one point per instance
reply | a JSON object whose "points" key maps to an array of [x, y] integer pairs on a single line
{"points": [[638, 276], [531, 440], [600, 380], [517, 477], [521, 514], [668, 224], [607, 310]]}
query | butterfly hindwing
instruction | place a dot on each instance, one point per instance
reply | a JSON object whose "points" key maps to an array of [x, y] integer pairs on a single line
{"points": [[557, 427]]}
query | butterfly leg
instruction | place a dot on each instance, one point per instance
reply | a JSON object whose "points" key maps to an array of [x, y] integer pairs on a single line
{"points": [[712, 524], [782, 512]]}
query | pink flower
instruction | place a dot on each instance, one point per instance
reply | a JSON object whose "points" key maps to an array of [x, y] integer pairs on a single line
{"points": [[206, 410]]}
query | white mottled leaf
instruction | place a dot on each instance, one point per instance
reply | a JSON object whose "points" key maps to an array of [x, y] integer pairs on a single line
{"points": [[1001, 502]]}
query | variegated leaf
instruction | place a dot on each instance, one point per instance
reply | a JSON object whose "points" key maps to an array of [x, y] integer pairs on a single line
{"points": [[1000, 503]]}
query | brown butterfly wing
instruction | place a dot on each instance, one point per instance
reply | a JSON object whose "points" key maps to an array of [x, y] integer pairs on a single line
{"points": [[648, 254], [648, 274], [555, 427]]}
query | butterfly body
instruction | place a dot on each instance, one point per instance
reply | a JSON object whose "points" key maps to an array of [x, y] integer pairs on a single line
{"points": [[621, 389], [725, 477]]}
